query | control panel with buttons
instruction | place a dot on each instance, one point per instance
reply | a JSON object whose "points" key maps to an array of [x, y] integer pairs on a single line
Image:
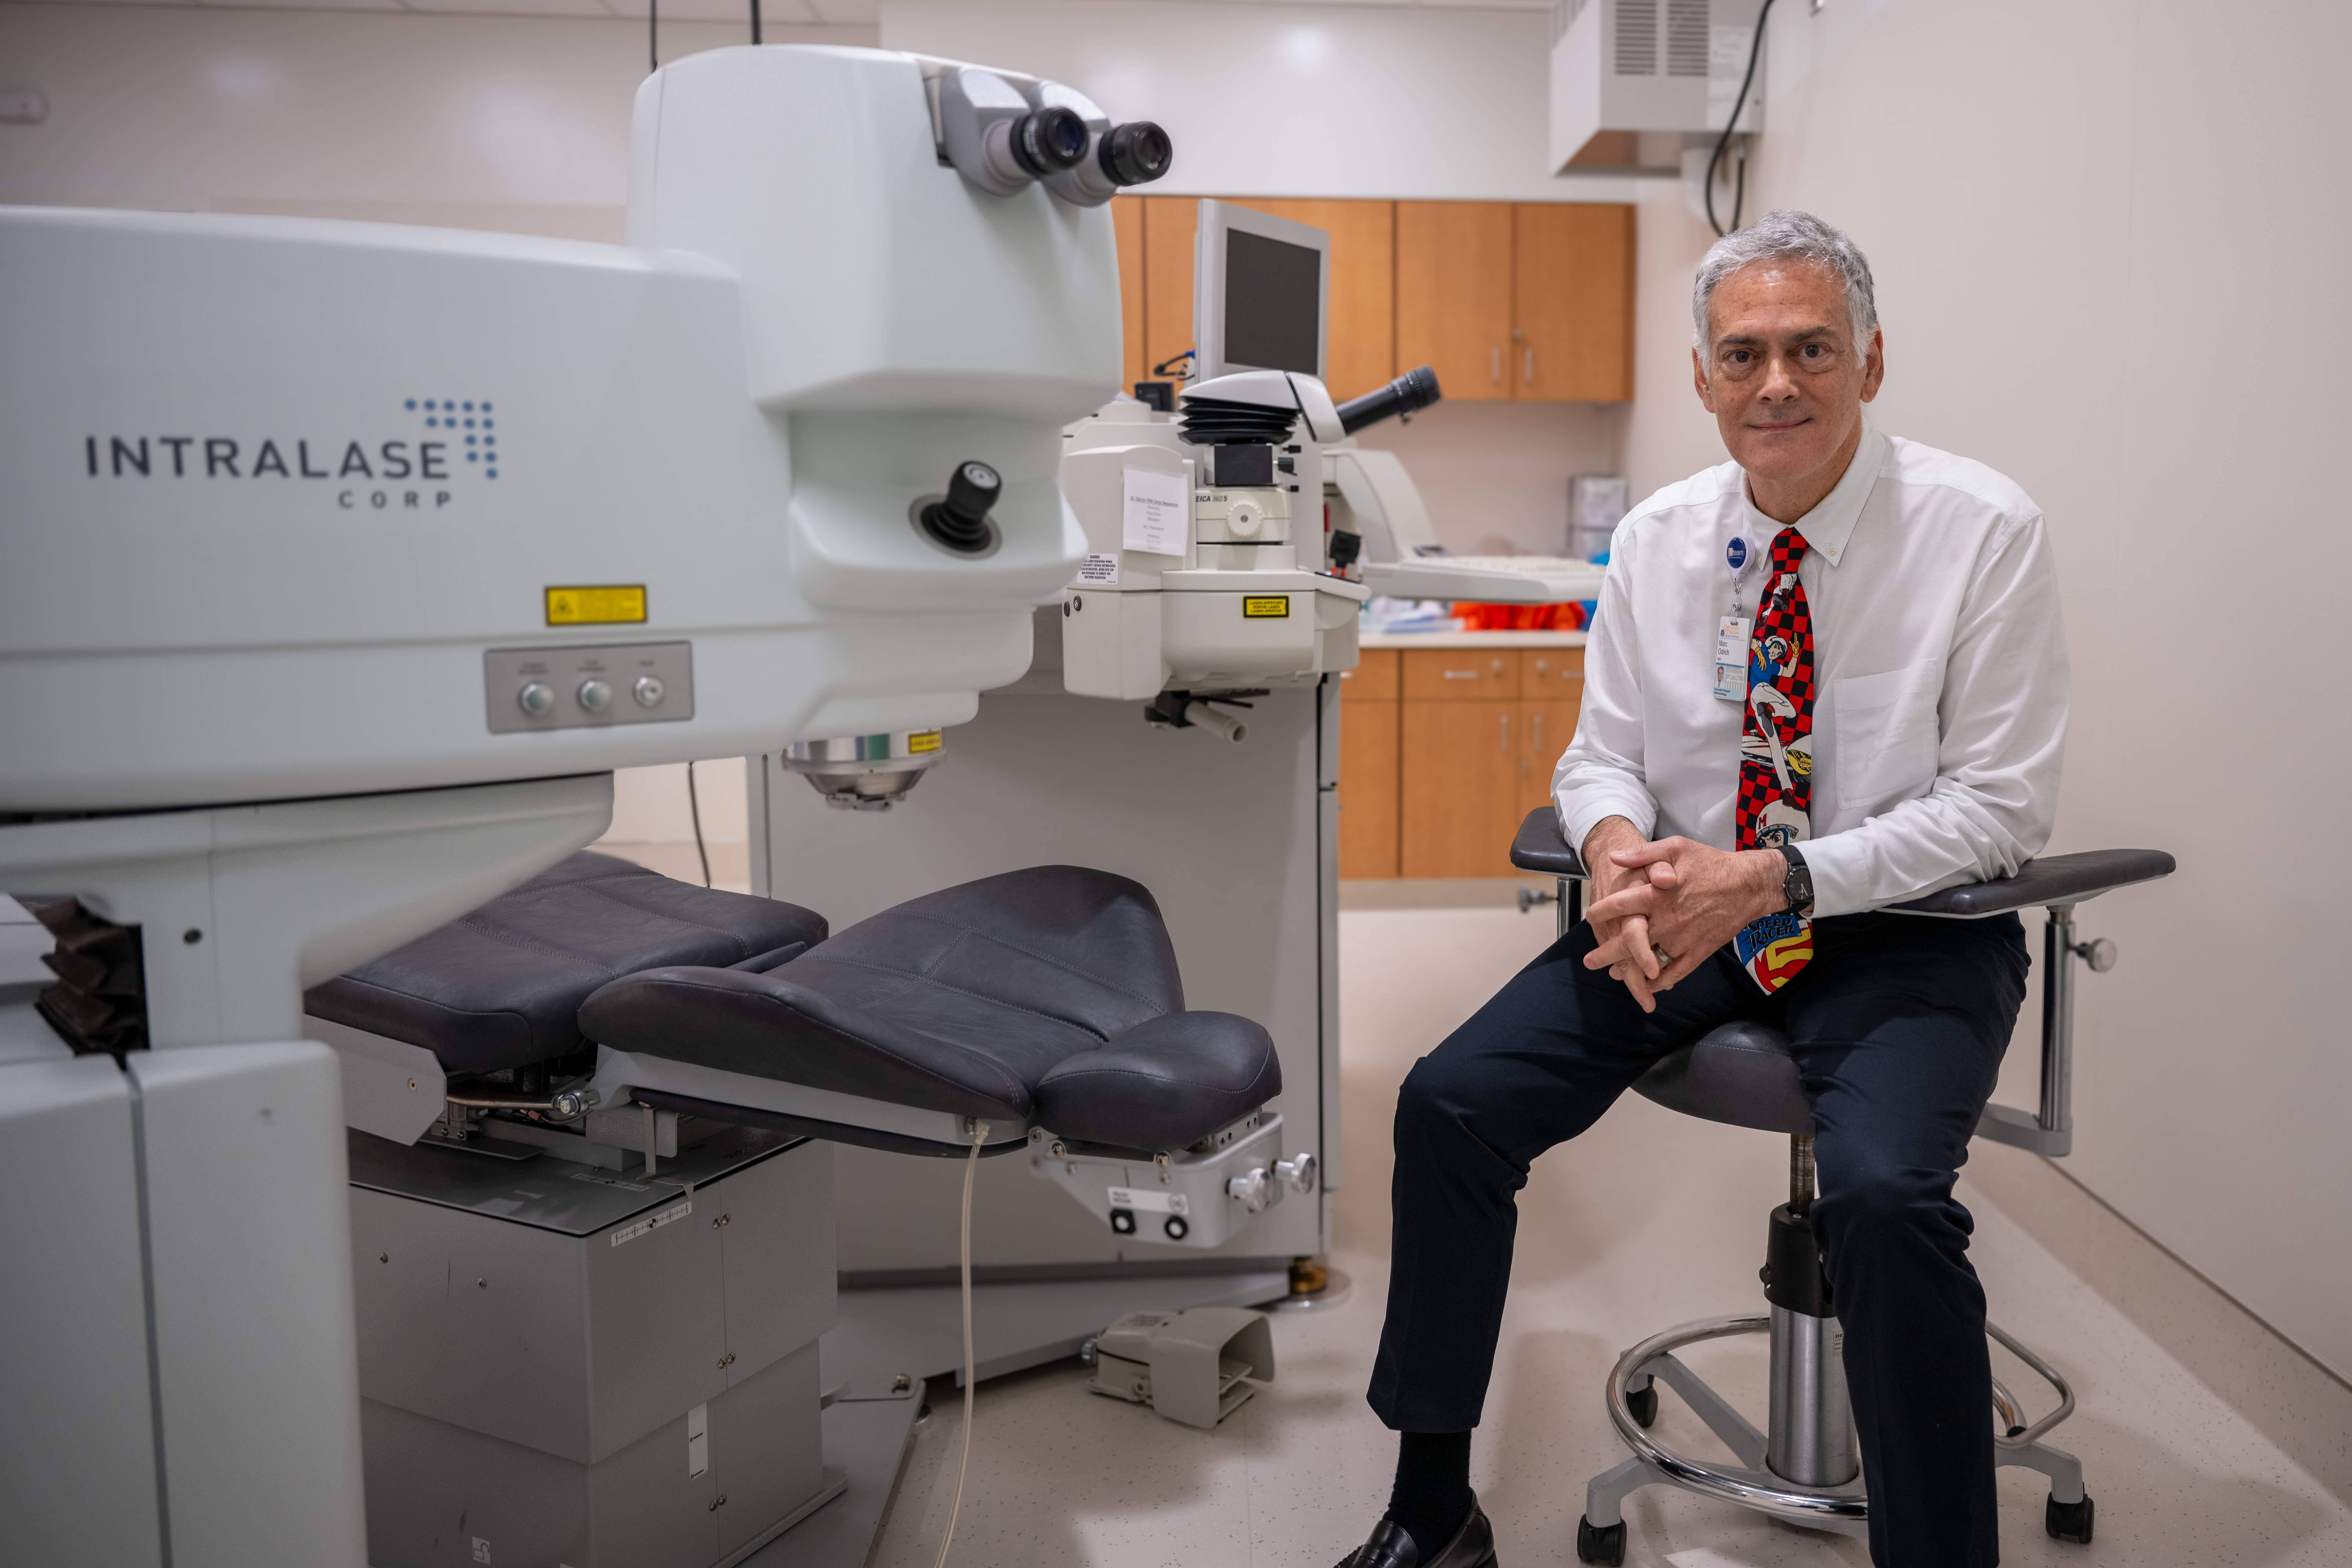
{"points": [[530, 689]]}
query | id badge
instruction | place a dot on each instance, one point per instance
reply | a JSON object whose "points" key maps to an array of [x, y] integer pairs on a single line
{"points": [[1731, 658]]}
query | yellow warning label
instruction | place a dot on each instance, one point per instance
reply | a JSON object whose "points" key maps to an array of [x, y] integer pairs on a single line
{"points": [[596, 607], [1273, 607], [922, 741]]}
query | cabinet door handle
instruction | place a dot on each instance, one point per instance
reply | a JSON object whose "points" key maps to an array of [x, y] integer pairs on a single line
{"points": [[1495, 370], [1538, 720], [1530, 362], [1505, 719], [1461, 675]]}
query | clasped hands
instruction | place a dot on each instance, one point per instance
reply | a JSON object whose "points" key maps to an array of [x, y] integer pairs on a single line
{"points": [[1659, 910]]}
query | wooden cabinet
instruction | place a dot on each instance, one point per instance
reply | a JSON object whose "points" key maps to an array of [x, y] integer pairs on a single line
{"points": [[1462, 734], [1127, 224], [1572, 303], [1368, 761], [1454, 295], [1551, 695], [1168, 227], [1443, 751], [1528, 300]]}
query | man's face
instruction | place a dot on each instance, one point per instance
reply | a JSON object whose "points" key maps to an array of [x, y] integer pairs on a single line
{"points": [[1783, 377]]}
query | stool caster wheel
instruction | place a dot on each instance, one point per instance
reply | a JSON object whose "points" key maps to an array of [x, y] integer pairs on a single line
{"points": [[1606, 1545], [2066, 1521], [1644, 1404]]}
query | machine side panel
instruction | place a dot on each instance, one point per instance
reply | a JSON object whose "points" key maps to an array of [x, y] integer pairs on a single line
{"points": [[777, 1254], [77, 1444], [472, 1320], [434, 1490], [255, 1366], [656, 1322], [767, 1446]]}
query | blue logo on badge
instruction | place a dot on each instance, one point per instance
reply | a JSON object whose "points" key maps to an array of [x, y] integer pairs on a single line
{"points": [[1736, 552]]}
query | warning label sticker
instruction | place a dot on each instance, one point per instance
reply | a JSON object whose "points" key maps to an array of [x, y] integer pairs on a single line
{"points": [[1099, 572], [1269, 607], [1150, 1199], [652, 1222]]}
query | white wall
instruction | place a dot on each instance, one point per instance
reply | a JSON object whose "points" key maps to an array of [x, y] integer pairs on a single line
{"points": [[2108, 239], [1380, 100], [1495, 474], [508, 121]]}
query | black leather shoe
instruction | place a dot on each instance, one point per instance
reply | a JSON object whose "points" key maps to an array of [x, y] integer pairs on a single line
{"points": [[1473, 1546]]}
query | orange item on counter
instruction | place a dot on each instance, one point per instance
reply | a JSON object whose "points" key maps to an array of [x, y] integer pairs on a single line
{"points": [[1475, 618]]}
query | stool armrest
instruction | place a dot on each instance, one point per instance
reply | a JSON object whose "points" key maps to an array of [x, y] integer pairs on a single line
{"points": [[1539, 847], [2048, 880]]}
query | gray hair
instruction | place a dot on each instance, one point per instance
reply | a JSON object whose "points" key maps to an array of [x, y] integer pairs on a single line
{"points": [[1787, 234]]}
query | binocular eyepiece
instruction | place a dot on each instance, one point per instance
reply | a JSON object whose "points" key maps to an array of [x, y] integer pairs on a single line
{"points": [[1005, 137], [1048, 141], [1136, 153]]}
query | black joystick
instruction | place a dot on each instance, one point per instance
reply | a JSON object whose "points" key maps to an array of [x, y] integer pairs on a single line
{"points": [[1049, 139], [1136, 153], [961, 521], [1345, 548]]}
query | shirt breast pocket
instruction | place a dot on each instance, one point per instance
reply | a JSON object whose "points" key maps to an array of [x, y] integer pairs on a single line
{"points": [[1887, 734]]}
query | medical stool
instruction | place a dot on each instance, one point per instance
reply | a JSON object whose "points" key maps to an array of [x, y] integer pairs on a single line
{"points": [[1803, 1466]]}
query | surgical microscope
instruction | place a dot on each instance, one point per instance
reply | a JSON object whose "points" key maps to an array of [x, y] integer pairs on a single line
{"points": [[344, 564]]}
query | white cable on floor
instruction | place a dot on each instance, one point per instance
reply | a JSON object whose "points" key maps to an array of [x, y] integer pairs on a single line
{"points": [[971, 1165]]}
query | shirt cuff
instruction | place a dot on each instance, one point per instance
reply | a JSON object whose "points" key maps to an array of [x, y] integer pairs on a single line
{"points": [[1588, 805], [1841, 871]]}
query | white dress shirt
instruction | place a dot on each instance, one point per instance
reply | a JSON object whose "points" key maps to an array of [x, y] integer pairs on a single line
{"points": [[1940, 710]]}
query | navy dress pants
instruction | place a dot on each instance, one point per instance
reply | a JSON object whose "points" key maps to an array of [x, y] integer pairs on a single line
{"points": [[1898, 1025]]}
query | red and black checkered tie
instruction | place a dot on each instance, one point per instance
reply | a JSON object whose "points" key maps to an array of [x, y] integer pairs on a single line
{"points": [[1776, 756]]}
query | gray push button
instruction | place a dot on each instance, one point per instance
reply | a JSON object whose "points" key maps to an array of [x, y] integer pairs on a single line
{"points": [[596, 695], [536, 698], [650, 691]]}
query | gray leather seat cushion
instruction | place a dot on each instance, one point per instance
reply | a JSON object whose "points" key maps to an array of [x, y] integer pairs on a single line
{"points": [[502, 987], [996, 998], [1738, 1073]]}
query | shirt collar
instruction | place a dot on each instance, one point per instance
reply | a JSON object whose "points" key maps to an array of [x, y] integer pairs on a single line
{"points": [[1830, 525]]}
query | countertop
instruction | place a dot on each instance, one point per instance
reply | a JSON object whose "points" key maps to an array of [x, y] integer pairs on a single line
{"points": [[1457, 640]]}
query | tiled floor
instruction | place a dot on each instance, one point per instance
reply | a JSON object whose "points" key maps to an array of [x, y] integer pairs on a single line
{"points": [[1650, 1220]]}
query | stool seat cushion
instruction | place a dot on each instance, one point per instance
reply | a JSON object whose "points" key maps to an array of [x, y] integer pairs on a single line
{"points": [[1738, 1073]]}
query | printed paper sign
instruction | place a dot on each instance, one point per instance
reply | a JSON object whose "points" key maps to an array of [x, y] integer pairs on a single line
{"points": [[1156, 516], [1100, 571]]}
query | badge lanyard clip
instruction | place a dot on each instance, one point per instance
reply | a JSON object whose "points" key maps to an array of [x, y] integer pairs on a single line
{"points": [[1731, 635]]}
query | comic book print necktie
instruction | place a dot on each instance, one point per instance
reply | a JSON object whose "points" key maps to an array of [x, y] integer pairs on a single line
{"points": [[1776, 756]]}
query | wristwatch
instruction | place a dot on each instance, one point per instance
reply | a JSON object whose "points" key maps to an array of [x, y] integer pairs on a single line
{"points": [[1798, 886]]}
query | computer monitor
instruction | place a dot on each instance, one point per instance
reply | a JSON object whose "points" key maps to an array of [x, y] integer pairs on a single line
{"points": [[1261, 293]]}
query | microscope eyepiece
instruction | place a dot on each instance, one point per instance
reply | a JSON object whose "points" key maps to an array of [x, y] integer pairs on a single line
{"points": [[959, 519], [1408, 393], [1048, 141], [1136, 153]]}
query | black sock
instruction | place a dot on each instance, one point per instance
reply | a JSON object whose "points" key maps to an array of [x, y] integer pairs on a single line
{"points": [[1431, 1495]]}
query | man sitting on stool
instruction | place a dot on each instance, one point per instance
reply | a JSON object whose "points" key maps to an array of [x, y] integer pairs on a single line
{"points": [[1826, 677]]}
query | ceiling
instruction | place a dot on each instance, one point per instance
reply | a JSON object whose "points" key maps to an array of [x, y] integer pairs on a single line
{"points": [[779, 13]]}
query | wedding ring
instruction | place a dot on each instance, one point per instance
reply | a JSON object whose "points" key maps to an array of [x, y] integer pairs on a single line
{"points": [[1666, 959]]}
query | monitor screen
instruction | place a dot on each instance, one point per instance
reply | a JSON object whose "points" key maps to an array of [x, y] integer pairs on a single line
{"points": [[1274, 303]]}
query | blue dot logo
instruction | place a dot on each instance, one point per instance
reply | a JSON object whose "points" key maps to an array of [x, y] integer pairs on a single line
{"points": [[1735, 553]]}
